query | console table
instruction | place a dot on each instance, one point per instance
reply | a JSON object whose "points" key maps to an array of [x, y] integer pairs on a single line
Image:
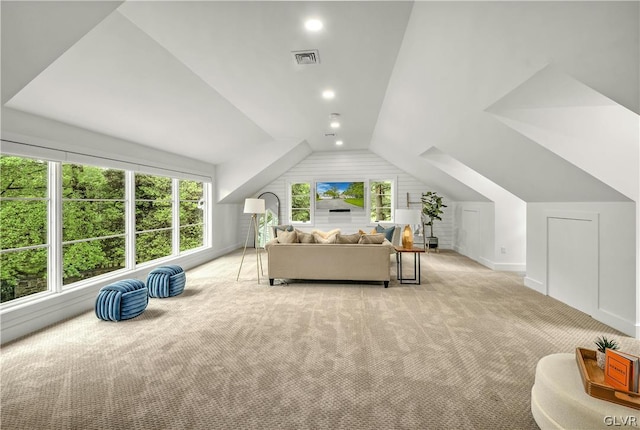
{"points": [[416, 264]]}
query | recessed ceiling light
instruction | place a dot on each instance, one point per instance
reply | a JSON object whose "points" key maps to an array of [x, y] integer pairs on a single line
{"points": [[338, 142], [335, 124], [328, 94], [313, 25], [335, 120]]}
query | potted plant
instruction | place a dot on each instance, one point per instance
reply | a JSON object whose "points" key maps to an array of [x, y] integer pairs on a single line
{"points": [[432, 209], [603, 343]]}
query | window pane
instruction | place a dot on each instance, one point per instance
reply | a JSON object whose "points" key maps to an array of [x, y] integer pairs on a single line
{"points": [[22, 273], [150, 187], [300, 189], [191, 237], [23, 177], [152, 245], [93, 258], [381, 214], [190, 190], [23, 223], [301, 202], [190, 214], [300, 215], [90, 182], [87, 219], [152, 215]]}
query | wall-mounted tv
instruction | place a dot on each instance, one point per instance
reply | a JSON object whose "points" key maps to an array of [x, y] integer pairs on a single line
{"points": [[340, 196]]}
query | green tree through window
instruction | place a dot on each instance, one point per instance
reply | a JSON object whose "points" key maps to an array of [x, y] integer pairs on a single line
{"points": [[381, 199], [301, 202]]}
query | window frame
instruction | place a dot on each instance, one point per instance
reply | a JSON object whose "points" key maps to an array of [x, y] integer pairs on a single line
{"points": [[393, 197], [311, 184]]}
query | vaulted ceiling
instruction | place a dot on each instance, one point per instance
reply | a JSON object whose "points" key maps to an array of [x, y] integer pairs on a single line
{"points": [[481, 82]]}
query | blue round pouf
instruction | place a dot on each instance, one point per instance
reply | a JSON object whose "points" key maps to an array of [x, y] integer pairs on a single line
{"points": [[122, 300], [166, 281]]}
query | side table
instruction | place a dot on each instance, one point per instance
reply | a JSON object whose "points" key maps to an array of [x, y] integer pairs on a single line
{"points": [[416, 264]]}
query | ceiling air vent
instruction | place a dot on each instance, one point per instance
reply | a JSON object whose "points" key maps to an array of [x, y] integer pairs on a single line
{"points": [[310, 56]]}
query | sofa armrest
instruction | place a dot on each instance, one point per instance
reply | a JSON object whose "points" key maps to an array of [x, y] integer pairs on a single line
{"points": [[269, 244]]}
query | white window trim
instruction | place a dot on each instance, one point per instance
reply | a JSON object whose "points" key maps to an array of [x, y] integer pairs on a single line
{"points": [[311, 202], [394, 198]]}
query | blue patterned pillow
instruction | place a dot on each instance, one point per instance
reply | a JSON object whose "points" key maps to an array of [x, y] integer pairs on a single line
{"points": [[388, 232]]}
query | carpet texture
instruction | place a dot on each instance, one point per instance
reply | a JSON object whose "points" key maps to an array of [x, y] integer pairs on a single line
{"points": [[458, 351]]}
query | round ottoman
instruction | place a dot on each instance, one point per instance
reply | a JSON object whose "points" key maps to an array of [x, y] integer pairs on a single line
{"points": [[122, 300], [558, 399], [166, 281]]}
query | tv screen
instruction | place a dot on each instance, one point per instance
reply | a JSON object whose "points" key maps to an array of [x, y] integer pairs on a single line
{"points": [[340, 196]]}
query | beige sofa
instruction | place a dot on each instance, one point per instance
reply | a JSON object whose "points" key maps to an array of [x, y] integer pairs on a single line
{"points": [[320, 261]]}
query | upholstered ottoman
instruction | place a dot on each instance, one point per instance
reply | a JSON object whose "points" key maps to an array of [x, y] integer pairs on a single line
{"points": [[166, 281], [122, 300]]}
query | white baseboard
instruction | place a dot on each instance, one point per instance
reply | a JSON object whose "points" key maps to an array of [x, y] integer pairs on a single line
{"points": [[535, 285], [625, 326], [34, 315]]}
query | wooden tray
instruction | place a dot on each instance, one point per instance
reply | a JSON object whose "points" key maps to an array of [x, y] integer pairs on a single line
{"points": [[593, 381]]}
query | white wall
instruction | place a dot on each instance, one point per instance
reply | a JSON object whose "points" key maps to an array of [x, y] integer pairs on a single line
{"points": [[354, 165], [54, 138], [615, 304]]}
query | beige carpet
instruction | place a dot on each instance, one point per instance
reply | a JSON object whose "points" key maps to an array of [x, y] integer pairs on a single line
{"points": [[458, 351]]}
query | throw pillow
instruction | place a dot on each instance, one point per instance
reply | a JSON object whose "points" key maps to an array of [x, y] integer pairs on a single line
{"points": [[372, 239], [305, 237], [320, 239], [361, 232], [278, 228], [287, 237], [326, 234], [348, 238], [388, 232]]}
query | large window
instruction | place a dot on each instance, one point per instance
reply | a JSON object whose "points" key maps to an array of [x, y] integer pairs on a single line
{"points": [[93, 221], [381, 193], [61, 223], [24, 201], [300, 202]]}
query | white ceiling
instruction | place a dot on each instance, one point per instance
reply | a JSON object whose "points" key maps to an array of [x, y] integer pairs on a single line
{"points": [[216, 81]]}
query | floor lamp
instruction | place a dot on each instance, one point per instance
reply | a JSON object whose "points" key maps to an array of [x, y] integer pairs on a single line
{"points": [[253, 207]]}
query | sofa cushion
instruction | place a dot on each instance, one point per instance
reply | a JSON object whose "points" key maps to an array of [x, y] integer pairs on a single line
{"points": [[321, 239], [347, 238], [278, 228], [326, 234], [305, 237], [372, 239], [388, 232], [285, 236]]}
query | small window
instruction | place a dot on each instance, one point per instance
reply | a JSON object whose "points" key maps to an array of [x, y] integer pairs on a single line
{"points": [[153, 217], [381, 193], [300, 209]]}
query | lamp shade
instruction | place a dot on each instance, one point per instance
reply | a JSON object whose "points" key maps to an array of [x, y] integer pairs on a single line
{"points": [[407, 216], [254, 206]]}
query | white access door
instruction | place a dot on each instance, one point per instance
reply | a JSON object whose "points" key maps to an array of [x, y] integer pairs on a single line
{"points": [[572, 262]]}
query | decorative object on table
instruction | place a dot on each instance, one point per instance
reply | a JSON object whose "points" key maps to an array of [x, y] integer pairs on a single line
{"points": [[432, 209], [603, 343], [593, 381], [621, 370], [253, 207], [407, 217], [122, 300], [166, 281]]}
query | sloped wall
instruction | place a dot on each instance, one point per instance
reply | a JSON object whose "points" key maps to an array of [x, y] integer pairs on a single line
{"points": [[354, 165]]}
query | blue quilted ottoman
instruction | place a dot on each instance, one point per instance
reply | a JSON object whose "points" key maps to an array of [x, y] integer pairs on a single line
{"points": [[122, 300], [166, 281]]}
